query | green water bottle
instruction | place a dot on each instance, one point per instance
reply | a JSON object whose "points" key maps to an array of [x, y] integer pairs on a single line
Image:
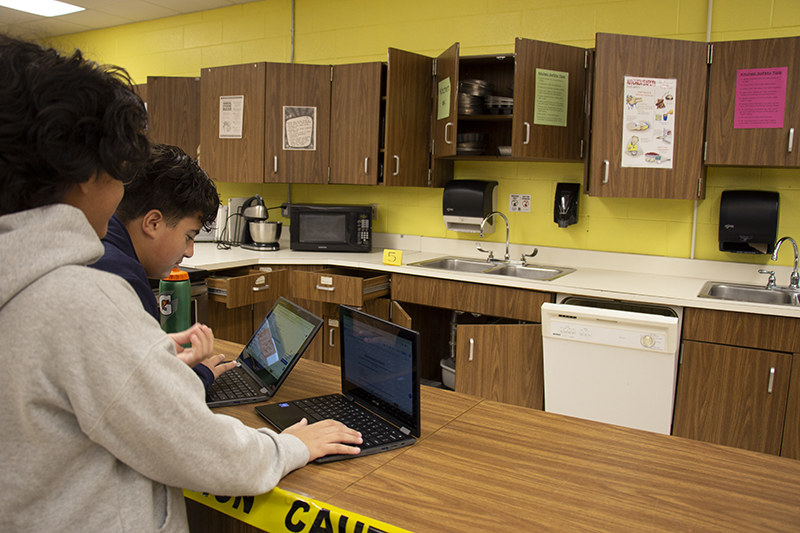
{"points": [[174, 300]]}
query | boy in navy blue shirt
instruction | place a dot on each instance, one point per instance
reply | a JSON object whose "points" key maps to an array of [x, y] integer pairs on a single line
{"points": [[163, 209]]}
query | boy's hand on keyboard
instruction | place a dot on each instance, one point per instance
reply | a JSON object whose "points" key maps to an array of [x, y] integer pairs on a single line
{"points": [[328, 437], [216, 365]]}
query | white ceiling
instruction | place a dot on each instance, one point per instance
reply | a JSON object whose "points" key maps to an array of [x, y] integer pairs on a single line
{"points": [[101, 14]]}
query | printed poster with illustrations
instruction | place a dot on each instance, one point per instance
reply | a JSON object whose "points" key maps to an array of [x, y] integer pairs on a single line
{"points": [[648, 132]]}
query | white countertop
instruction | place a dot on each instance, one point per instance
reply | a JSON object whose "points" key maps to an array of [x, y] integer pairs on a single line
{"points": [[632, 277]]}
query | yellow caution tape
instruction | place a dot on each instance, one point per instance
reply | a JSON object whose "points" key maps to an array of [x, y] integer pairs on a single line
{"points": [[281, 511]]}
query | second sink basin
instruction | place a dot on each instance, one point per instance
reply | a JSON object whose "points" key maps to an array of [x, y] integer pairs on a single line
{"points": [[461, 264], [748, 293]]}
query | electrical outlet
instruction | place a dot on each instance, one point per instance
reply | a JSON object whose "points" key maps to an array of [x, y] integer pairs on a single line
{"points": [[285, 210], [374, 211]]}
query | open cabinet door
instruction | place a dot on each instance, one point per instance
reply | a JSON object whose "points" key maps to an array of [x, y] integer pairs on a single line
{"points": [[408, 110], [502, 363], [445, 116]]}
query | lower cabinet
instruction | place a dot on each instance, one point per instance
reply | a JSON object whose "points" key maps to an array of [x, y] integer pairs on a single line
{"points": [[501, 363], [499, 358], [738, 382]]}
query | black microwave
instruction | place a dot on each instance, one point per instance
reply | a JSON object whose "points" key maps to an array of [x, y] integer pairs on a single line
{"points": [[331, 228]]}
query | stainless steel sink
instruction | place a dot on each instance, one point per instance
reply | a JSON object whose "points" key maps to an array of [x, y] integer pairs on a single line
{"points": [[541, 273], [748, 293], [455, 263], [461, 264]]}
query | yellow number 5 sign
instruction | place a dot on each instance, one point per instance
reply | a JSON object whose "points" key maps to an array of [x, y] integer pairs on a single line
{"points": [[393, 257]]}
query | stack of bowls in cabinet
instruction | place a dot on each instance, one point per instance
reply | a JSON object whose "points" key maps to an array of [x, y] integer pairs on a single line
{"points": [[472, 96]]}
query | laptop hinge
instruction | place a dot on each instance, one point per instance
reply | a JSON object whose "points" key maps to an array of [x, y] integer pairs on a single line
{"points": [[405, 431]]}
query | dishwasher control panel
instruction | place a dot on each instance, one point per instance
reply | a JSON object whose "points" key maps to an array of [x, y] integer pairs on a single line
{"points": [[577, 330]]}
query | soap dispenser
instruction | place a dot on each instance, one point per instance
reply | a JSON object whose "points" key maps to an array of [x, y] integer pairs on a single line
{"points": [[565, 209]]}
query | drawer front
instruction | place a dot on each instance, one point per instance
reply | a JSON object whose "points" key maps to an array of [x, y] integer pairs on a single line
{"points": [[246, 288], [331, 286], [764, 332], [520, 304]]}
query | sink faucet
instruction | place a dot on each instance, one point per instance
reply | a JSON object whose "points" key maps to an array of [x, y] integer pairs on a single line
{"points": [[507, 257], [493, 213], [794, 280]]}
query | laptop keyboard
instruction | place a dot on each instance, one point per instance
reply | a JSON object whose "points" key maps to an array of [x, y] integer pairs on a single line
{"points": [[374, 431], [229, 386]]}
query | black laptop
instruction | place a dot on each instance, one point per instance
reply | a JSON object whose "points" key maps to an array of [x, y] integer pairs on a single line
{"points": [[268, 357], [380, 387]]}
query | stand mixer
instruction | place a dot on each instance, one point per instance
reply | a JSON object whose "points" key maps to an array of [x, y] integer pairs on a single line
{"points": [[259, 233]]}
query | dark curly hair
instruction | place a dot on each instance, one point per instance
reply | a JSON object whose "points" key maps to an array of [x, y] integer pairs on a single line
{"points": [[173, 183], [63, 119]]}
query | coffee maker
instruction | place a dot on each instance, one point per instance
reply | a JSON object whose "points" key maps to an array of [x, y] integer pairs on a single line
{"points": [[259, 233]]}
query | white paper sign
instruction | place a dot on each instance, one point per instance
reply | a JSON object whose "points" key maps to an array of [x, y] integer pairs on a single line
{"points": [[299, 128], [648, 131], [231, 113]]}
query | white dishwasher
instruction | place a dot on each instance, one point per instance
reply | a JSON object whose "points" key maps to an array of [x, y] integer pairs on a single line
{"points": [[611, 365]]}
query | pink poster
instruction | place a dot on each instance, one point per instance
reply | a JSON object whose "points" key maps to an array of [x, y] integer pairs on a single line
{"points": [[760, 98]]}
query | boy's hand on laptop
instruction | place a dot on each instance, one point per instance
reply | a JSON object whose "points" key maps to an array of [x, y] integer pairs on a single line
{"points": [[202, 340], [326, 438], [216, 365]]}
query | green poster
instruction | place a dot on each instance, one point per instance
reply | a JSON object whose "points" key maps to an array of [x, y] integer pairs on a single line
{"points": [[443, 107], [550, 102]]}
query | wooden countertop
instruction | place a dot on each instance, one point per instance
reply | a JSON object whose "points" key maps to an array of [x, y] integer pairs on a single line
{"points": [[486, 466]]}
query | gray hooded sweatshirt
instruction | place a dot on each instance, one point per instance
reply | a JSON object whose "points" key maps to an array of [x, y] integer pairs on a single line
{"points": [[101, 425]]}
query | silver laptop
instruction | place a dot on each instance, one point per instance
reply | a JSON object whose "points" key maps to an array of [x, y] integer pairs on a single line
{"points": [[268, 357], [380, 387]]}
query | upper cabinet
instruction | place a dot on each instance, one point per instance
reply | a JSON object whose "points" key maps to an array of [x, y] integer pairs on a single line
{"points": [[232, 102], [297, 123], [356, 102], [752, 108], [529, 105], [173, 114], [648, 111], [381, 125]]}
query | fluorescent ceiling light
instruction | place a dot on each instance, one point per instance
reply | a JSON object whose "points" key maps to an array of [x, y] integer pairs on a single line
{"points": [[45, 8]]}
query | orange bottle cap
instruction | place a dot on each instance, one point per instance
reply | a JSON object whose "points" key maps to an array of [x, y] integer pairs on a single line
{"points": [[177, 275]]}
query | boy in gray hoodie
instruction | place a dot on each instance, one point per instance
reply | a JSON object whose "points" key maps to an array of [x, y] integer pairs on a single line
{"points": [[102, 425]]}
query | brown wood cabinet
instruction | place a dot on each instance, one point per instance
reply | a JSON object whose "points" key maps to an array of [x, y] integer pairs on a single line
{"points": [[408, 151], [502, 363], [734, 380], [173, 112], [618, 56], [499, 361], [768, 145], [522, 133], [357, 96], [297, 123], [238, 160]]}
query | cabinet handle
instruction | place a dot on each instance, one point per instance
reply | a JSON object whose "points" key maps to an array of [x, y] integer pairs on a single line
{"points": [[446, 133], [275, 165], [791, 139], [396, 165], [471, 347], [606, 164], [366, 165], [321, 288], [771, 379], [330, 339], [262, 288], [527, 133]]}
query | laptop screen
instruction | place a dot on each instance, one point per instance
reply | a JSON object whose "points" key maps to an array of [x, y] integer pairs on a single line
{"points": [[379, 367], [281, 338]]}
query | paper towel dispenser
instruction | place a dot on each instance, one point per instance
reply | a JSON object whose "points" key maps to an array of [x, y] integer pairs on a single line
{"points": [[748, 221], [465, 203]]}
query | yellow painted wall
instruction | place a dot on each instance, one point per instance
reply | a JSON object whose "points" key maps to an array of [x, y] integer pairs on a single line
{"points": [[349, 31]]}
